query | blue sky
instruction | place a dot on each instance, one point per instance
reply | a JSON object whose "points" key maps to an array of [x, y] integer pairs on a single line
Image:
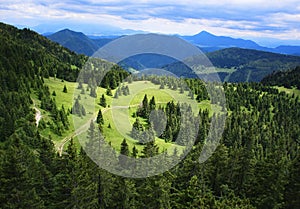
{"points": [[267, 22]]}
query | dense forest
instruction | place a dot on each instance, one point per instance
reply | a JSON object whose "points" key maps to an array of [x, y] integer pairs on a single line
{"points": [[256, 165], [251, 65], [288, 79]]}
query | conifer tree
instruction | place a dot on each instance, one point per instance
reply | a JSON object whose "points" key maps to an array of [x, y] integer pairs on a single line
{"points": [[123, 153], [93, 92], [65, 90], [134, 152], [152, 104], [99, 119], [103, 101]]}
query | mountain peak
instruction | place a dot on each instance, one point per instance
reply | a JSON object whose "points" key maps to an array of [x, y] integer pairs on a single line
{"points": [[206, 39], [66, 30], [204, 33]]}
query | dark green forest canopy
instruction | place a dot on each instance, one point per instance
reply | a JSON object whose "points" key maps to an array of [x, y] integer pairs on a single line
{"points": [[28, 53], [251, 65], [256, 164], [288, 79]]}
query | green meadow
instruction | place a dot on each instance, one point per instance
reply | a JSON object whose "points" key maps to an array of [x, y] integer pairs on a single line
{"points": [[118, 115]]}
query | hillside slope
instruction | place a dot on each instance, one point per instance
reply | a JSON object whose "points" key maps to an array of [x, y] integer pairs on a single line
{"points": [[26, 57], [78, 42], [288, 79], [251, 65], [36, 54]]}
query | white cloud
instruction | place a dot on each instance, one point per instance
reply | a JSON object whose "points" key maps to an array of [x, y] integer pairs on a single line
{"points": [[239, 18]]}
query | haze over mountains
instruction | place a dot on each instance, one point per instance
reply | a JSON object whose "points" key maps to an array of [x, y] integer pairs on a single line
{"points": [[78, 42], [208, 42], [236, 60]]}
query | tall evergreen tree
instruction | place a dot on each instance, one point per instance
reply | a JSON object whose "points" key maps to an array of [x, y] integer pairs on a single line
{"points": [[123, 153], [103, 101], [99, 119]]}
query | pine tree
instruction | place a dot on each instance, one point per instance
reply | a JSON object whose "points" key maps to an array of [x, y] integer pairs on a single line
{"points": [[83, 110], [123, 153], [20, 177], [84, 195], [76, 109], [137, 129], [103, 101], [93, 92], [144, 112], [293, 187], [152, 104], [65, 90], [99, 119], [134, 152], [150, 150]]}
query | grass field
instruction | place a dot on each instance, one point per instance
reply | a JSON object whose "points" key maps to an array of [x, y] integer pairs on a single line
{"points": [[289, 91], [66, 99], [118, 113]]}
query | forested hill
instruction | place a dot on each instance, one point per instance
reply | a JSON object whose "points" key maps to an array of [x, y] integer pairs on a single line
{"points": [[288, 79], [78, 42], [25, 58], [26, 52], [251, 65], [256, 164]]}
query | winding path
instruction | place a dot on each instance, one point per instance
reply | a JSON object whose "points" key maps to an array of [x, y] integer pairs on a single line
{"points": [[77, 132], [38, 116], [86, 126]]}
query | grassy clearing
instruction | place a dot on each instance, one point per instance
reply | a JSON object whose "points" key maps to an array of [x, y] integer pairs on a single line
{"points": [[118, 113], [66, 99], [289, 91], [120, 116], [162, 96]]}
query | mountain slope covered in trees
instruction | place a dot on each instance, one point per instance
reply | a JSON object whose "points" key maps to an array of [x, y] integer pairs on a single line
{"points": [[251, 65], [288, 79], [27, 57], [256, 164], [78, 42]]}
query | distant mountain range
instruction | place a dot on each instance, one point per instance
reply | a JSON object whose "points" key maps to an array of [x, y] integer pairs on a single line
{"points": [[78, 42], [249, 64], [207, 42], [237, 60]]}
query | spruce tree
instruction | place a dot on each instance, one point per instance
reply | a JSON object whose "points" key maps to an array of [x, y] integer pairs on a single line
{"points": [[93, 92], [103, 101], [123, 153], [99, 119], [65, 90], [152, 104], [134, 152]]}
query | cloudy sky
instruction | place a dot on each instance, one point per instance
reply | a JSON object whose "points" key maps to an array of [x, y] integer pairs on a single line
{"points": [[264, 21]]}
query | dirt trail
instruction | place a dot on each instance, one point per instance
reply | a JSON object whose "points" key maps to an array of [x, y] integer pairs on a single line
{"points": [[77, 132], [38, 116], [86, 126]]}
